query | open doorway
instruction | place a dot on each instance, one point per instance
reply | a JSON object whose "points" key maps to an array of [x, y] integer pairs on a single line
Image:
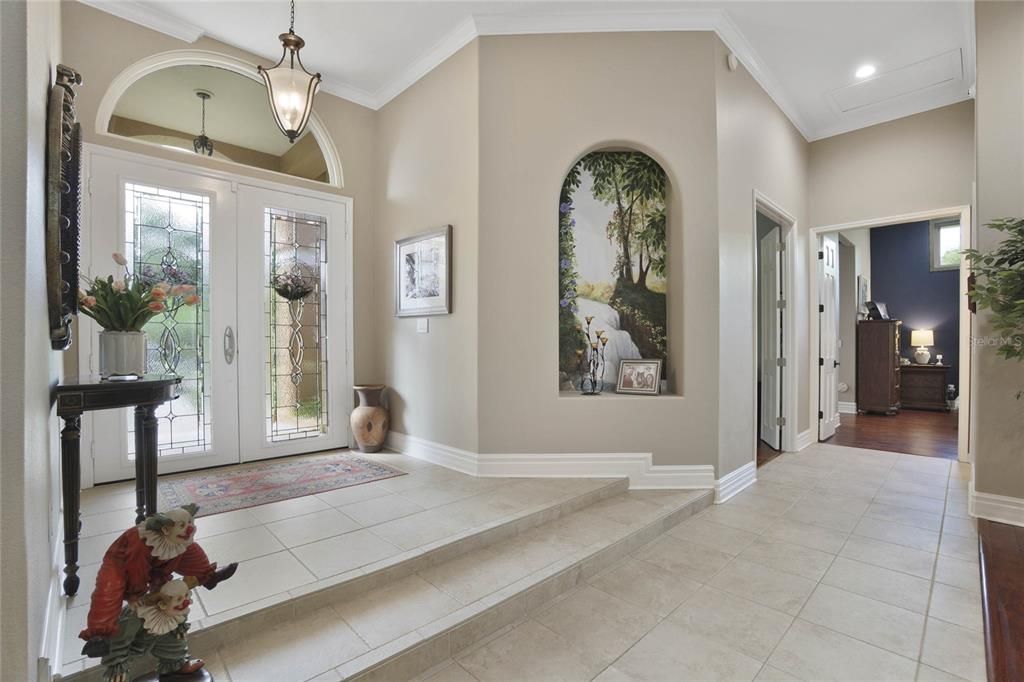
{"points": [[892, 335], [775, 408], [770, 301]]}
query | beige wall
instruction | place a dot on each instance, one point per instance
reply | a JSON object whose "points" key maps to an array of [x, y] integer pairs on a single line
{"points": [[101, 46], [128, 127], [758, 148], [1000, 162], [426, 177], [918, 163], [29, 467], [544, 102]]}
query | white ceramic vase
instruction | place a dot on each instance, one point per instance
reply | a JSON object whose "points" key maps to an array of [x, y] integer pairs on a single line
{"points": [[122, 354]]}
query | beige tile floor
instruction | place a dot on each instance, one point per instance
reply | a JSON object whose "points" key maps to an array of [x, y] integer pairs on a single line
{"points": [[839, 564], [301, 543]]}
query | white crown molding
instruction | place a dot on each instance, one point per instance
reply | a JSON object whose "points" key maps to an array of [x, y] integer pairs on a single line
{"points": [[144, 14], [451, 43], [735, 482], [694, 19], [637, 467], [691, 19]]}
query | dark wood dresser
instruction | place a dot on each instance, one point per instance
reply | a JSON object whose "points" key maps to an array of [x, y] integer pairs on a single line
{"points": [[924, 387], [878, 366]]}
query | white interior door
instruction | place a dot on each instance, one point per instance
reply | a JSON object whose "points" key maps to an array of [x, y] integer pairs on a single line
{"points": [[179, 227], [828, 341], [770, 287], [294, 389]]}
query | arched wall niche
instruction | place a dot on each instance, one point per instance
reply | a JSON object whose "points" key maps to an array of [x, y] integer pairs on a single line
{"points": [[106, 112], [613, 227]]}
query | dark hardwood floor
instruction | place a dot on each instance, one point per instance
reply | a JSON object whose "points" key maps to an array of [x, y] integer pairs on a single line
{"points": [[1001, 548], [917, 432], [765, 453]]}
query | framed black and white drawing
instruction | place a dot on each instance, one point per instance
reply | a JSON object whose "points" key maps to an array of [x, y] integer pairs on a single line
{"points": [[423, 274]]}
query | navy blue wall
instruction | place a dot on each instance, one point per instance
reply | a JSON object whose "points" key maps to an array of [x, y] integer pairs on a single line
{"points": [[901, 277]]}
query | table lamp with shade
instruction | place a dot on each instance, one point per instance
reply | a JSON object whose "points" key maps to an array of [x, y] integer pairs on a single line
{"points": [[922, 338]]}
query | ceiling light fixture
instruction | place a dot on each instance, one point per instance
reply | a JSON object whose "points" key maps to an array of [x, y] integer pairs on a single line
{"points": [[865, 71], [290, 89], [201, 143]]}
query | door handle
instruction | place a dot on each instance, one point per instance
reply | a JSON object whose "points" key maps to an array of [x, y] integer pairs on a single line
{"points": [[229, 345], [836, 363]]}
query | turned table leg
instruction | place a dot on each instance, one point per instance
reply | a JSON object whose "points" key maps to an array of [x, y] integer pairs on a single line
{"points": [[146, 451], [71, 481]]}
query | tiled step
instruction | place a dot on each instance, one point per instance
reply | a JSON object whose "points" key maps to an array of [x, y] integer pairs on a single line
{"points": [[555, 499], [405, 628]]}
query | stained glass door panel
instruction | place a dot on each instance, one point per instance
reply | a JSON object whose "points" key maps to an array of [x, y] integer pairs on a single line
{"points": [[167, 240], [298, 314]]}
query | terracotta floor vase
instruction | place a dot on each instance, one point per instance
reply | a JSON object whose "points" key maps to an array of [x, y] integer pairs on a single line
{"points": [[370, 419]]}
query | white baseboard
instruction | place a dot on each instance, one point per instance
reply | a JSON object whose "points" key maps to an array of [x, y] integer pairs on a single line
{"points": [[638, 467], [735, 481], [847, 408], [996, 507], [51, 653], [462, 461], [804, 438]]}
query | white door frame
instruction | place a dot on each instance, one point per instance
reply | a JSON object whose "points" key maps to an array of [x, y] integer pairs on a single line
{"points": [[964, 441], [788, 230], [85, 343]]}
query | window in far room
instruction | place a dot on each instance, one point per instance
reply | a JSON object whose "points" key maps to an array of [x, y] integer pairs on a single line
{"points": [[945, 244]]}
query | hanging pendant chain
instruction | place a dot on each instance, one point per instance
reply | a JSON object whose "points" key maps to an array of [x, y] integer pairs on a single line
{"points": [[291, 26], [203, 131]]}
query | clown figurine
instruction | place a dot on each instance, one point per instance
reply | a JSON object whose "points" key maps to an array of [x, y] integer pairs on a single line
{"points": [[138, 569]]}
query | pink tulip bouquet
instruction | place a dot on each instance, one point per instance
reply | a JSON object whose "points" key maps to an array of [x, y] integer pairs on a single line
{"points": [[128, 303]]}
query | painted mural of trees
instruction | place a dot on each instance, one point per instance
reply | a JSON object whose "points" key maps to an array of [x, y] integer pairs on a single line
{"points": [[633, 187]]}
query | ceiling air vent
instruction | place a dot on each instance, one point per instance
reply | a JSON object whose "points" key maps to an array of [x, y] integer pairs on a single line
{"points": [[926, 74]]}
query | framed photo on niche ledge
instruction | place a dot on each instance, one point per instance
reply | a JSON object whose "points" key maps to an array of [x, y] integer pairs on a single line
{"points": [[423, 274], [639, 377]]}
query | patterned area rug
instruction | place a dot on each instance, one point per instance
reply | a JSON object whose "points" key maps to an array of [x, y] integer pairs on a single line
{"points": [[248, 485]]}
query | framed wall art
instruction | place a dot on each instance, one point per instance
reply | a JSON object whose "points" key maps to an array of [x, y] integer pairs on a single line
{"points": [[423, 274]]}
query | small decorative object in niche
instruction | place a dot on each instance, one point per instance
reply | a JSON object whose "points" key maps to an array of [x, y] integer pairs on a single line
{"points": [[370, 418], [612, 259], [122, 307], [591, 359], [862, 297], [423, 273], [63, 205], [642, 377]]}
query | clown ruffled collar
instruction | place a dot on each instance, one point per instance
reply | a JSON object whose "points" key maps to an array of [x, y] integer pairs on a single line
{"points": [[163, 547]]}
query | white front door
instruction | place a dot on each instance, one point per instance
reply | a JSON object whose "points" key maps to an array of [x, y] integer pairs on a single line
{"points": [[294, 393], [828, 341], [178, 227], [770, 286], [262, 375]]}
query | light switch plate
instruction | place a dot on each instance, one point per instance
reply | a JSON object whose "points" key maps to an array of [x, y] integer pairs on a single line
{"points": [[423, 325]]}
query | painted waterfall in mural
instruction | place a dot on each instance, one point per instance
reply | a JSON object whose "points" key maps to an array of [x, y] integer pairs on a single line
{"points": [[612, 262]]}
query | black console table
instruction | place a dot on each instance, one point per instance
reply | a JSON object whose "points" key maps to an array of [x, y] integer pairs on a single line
{"points": [[77, 396]]}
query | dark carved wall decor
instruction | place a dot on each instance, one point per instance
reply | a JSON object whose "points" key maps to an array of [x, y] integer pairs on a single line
{"points": [[63, 205]]}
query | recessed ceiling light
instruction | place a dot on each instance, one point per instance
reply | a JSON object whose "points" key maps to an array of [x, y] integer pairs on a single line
{"points": [[865, 71]]}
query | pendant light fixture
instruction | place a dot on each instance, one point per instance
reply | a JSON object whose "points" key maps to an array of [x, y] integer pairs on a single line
{"points": [[290, 87], [201, 143]]}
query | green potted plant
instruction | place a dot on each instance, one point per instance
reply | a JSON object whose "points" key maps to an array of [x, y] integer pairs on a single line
{"points": [[999, 287], [122, 307]]}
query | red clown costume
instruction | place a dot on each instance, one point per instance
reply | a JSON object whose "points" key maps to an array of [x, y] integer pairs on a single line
{"points": [[131, 568]]}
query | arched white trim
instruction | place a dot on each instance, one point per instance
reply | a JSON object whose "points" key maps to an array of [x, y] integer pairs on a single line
{"points": [[164, 60]]}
